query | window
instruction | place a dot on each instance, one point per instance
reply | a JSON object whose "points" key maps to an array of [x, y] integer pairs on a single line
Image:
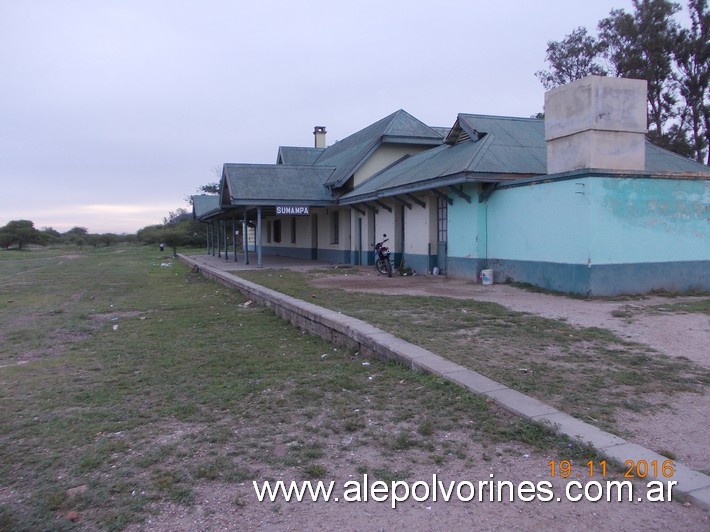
{"points": [[442, 216], [277, 230], [268, 232], [293, 230], [335, 227]]}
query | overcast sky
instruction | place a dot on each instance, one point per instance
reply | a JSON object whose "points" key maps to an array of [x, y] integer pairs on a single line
{"points": [[113, 111]]}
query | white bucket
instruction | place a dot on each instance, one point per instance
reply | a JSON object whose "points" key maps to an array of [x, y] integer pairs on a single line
{"points": [[486, 276]]}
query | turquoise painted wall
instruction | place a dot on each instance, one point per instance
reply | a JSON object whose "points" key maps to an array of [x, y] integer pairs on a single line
{"points": [[463, 231], [591, 235], [649, 220], [546, 222]]}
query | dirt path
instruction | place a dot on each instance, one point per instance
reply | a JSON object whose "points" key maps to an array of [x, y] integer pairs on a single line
{"points": [[672, 333], [681, 428]]}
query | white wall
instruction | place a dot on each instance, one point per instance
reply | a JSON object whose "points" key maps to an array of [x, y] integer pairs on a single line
{"points": [[383, 157]]}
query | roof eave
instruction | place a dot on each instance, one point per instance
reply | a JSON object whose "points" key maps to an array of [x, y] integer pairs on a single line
{"points": [[442, 181]]}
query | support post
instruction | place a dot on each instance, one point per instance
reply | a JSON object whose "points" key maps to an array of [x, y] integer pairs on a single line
{"points": [[246, 238], [226, 241], [219, 239], [214, 238], [234, 236], [259, 257]]}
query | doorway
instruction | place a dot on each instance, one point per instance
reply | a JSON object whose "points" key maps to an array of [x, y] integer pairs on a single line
{"points": [[442, 225]]}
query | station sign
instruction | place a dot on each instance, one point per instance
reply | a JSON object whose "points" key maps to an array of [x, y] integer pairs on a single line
{"points": [[293, 210]]}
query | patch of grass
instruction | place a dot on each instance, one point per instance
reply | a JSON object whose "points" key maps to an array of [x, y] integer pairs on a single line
{"points": [[192, 387], [667, 454], [701, 306], [315, 471], [387, 475], [514, 348], [426, 428], [173, 484]]}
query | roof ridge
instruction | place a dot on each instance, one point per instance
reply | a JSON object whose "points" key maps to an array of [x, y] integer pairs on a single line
{"points": [[503, 117]]}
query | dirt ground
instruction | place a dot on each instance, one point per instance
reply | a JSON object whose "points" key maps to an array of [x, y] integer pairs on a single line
{"points": [[673, 333], [682, 427]]}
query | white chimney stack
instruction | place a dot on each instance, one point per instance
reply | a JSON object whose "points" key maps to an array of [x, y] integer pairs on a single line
{"points": [[319, 132]]}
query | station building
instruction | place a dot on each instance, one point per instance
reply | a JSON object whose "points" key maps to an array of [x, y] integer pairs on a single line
{"points": [[579, 202]]}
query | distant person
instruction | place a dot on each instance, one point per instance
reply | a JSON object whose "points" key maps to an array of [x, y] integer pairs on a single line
{"points": [[162, 247]]}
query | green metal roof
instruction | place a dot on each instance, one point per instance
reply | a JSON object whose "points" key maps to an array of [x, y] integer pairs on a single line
{"points": [[265, 184], [491, 150], [478, 148], [660, 160], [348, 154], [298, 156], [204, 205]]}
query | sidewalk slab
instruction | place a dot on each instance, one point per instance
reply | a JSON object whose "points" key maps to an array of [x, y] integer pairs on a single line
{"points": [[579, 430], [688, 479], [700, 497], [435, 364], [520, 404], [475, 382]]}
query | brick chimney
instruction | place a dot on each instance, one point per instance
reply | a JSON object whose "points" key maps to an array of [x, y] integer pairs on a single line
{"points": [[596, 122], [319, 132]]}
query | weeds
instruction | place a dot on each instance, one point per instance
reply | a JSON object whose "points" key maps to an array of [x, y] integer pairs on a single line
{"points": [[587, 372], [144, 382]]}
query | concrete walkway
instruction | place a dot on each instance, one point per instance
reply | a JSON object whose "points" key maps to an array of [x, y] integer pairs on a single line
{"points": [[371, 341]]}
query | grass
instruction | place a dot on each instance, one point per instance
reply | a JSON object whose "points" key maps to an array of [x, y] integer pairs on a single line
{"points": [[587, 372], [701, 306], [143, 382]]}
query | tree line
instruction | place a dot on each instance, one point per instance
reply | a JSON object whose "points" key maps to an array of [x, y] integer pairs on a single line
{"points": [[21, 233], [649, 44], [177, 230]]}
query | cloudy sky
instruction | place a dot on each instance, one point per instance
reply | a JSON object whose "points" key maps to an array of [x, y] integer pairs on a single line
{"points": [[113, 111]]}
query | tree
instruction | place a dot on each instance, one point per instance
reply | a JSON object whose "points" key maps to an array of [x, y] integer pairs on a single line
{"points": [[575, 56], [181, 233], [692, 56], [177, 216], [209, 188], [76, 235], [640, 45], [649, 44], [19, 232]]}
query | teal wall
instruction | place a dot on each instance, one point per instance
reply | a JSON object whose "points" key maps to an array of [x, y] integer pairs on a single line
{"points": [[649, 220], [464, 239], [590, 235], [547, 222]]}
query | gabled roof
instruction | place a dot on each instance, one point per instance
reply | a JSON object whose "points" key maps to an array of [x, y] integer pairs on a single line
{"points": [[350, 153], [204, 205], [485, 148], [264, 184], [298, 156]]}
